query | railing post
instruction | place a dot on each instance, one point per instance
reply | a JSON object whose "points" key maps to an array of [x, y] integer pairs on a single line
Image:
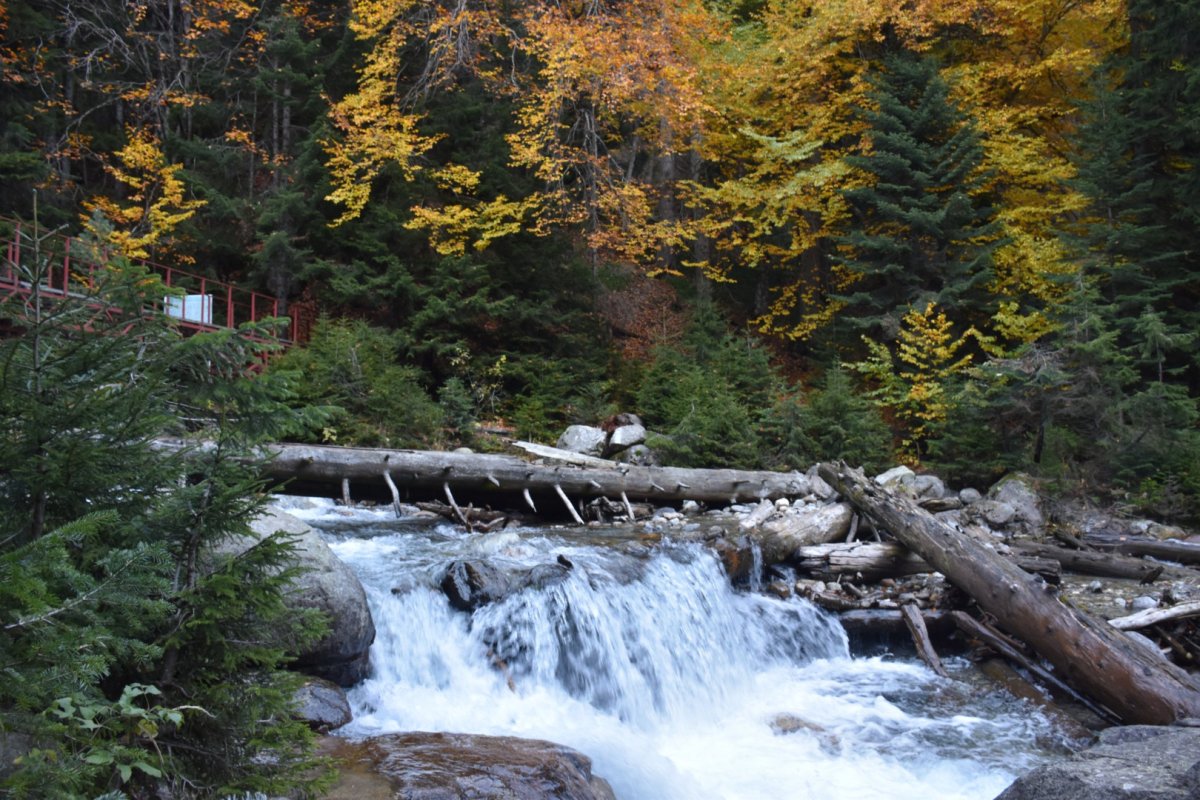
{"points": [[229, 306], [203, 294], [67, 265], [253, 313]]}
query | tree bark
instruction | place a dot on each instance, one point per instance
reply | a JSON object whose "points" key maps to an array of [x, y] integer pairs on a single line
{"points": [[1087, 653], [311, 469], [1171, 550], [1090, 562]]}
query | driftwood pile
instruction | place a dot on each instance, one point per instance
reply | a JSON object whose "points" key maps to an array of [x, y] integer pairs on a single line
{"points": [[1023, 616]]}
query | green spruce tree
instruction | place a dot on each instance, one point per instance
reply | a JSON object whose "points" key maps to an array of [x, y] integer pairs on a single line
{"points": [[921, 230]]}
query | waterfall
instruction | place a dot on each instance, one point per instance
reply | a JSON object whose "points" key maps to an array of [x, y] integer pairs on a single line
{"points": [[677, 686]]}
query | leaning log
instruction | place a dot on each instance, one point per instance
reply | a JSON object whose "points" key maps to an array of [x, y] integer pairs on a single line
{"points": [[1086, 653], [314, 469]]}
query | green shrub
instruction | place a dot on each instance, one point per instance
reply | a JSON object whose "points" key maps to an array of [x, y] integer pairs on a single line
{"points": [[352, 367], [835, 423]]}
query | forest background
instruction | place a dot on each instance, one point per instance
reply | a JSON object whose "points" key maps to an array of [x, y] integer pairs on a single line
{"points": [[956, 232]]}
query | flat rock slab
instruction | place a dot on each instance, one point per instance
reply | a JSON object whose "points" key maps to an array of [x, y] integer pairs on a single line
{"points": [[458, 766], [1137, 762]]}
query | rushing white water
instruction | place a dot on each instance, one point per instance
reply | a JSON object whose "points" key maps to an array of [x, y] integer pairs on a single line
{"points": [[676, 686]]}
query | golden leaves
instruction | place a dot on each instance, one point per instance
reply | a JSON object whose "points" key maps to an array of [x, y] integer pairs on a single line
{"points": [[156, 201]]}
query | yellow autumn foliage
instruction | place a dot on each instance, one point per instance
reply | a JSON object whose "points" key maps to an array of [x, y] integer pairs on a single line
{"points": [[154, 204]]}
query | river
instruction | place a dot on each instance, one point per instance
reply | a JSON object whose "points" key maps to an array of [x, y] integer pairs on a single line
{"points": [[677, 686]]}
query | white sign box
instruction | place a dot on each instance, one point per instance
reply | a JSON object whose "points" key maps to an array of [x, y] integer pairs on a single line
{"points": [[190, 308]]}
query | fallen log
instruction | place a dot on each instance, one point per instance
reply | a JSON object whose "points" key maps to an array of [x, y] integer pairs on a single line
{"points": [[1153, 616], [999, 643], [920, 636], [872, 560], [877, 560], [1088, 654], [1092, 562], [324, 470], [1169, 550]]}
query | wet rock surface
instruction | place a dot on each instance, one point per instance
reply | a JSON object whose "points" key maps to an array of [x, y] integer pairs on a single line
{"points": [[1139, 762], [322, 704], [456, 766], [328, 585], [468, 585]]}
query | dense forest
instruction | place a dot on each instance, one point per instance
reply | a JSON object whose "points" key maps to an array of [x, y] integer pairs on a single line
{"points": [[956, 233]]}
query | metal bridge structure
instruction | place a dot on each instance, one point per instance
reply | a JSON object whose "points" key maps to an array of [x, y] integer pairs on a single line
{"points": [[56, 266]]}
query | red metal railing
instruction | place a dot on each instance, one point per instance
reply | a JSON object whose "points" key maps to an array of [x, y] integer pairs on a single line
{"points": [[67, 268]]}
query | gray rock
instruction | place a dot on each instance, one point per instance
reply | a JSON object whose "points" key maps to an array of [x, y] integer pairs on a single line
{"points": [[690, 507], [322, 704], [626, 436], [1140, 762], [457, 766], [820, 488], [928, 487], [583, 439], [896, 476], [969, 496], [996, 513], [1018, 490], [938, 505], [468, 585], [1144, 603], [780, 536], [12, 746], [1159, 531], [639, 455], [327, 585]]}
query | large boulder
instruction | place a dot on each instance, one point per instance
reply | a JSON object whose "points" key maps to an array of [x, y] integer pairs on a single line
{"points": [[1139, 762], [459, 766], [583, 439], [1018, 490], [327, 585], [780, 536]]}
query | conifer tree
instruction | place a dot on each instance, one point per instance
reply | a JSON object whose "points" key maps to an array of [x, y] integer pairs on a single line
{"points": [[136, 660], [921, 231], [1138, 155]]}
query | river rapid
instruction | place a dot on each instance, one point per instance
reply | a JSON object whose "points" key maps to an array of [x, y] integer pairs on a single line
{"points": [[677, 686]]}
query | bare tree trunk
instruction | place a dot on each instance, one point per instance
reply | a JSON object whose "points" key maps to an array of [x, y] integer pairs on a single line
{"points": [[313, 469]]}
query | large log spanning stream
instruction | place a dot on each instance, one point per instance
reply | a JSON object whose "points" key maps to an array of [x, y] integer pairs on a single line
{"points": [[309, 469]]}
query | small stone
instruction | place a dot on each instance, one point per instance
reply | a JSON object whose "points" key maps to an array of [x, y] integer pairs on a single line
{"points": [[969, 496], [1095, 587], [322, 705], [1144, 603], [779, 589], [894, 476], [690, 507], [998, 513]]}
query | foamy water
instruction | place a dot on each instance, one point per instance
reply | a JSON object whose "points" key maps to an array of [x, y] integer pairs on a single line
{"points": [[676, 686]]}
